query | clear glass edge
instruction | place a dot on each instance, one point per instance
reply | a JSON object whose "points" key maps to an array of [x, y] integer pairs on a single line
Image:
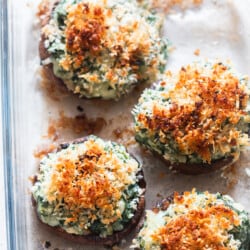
{"points": [[3, 239], [7, 127]]}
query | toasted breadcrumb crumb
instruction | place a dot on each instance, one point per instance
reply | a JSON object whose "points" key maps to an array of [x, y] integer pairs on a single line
{"points": [[197, 52]]}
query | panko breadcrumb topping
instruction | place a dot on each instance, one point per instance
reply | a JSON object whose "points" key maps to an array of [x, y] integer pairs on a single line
{"points": [[85, 29], [201, 228], [195, 220], [89, 187], [205, 105], [88, 32], [94, 181], [103, 48]]}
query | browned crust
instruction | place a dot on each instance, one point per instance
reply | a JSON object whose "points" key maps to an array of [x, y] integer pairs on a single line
{"points": [[93, 239], [164, 204], [44, 54], [197, 168]]}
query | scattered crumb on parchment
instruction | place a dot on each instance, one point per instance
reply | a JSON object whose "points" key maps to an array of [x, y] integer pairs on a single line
{"points": [[44, 149], [162, 175], [125, 135], [78, 124], [197, 52]]}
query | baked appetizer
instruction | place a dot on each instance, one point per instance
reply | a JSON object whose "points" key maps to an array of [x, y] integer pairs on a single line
{"points": [[102, 49], [195, 221], [197, 119], [90, 191]]}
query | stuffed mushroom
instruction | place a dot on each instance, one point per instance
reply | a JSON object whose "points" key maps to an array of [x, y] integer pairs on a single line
{"points": [[102, 49], [90, 191], [196, 119], [195, 220]]}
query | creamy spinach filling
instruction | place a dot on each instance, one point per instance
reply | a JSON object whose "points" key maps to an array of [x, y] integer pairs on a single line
{"points": [[100, 214], [238, 238], [128, 48]]}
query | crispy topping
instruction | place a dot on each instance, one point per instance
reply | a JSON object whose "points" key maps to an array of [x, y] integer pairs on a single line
{"points": [[198, 229], [103, 48], [194, 221], [197, 52], [94, 181], [79, 124], [87, 32], [202, 107], [85, 29]]}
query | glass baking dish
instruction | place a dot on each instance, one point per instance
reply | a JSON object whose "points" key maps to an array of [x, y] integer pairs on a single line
{"points": [[31, 108]]}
